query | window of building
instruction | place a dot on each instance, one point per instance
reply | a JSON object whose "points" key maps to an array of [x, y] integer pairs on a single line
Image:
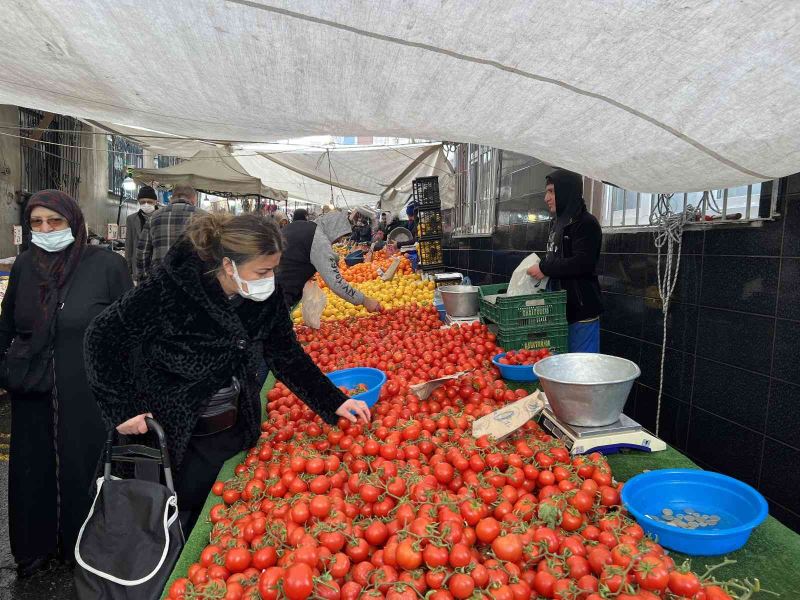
{"points": [[477, 180], [122, 153], [162, 161], [623, 208], [50, 151]]}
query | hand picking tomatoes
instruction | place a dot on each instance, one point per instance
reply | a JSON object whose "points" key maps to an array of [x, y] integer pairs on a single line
{"points": [[411, 505]]}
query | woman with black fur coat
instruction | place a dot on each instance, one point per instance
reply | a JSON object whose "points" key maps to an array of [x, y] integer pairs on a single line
{"points": [[209, 314]]}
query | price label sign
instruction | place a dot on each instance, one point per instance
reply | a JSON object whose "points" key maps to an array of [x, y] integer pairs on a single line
{"points": [[112, 231], [17, 235], [123, 232]]}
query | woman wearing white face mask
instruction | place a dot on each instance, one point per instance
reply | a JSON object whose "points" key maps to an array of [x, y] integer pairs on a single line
{"points": [[56, 288], [209, 314]]}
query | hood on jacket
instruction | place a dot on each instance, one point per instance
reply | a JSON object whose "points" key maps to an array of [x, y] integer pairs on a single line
{"points": [[335, 225], [569, 193]]}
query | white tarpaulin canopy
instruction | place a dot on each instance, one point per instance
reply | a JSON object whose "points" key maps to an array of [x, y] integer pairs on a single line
{"points": [[350, 177], [214, 171], [652, 96]]}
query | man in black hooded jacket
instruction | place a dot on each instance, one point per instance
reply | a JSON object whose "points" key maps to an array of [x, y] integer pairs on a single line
{"points": [[573, 250]]}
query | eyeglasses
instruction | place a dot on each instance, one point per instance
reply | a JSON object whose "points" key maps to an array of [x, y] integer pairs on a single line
{"points": [[52, 222]]}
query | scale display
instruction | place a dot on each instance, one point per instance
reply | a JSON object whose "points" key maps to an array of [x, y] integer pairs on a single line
{"points": [[625, 433]]}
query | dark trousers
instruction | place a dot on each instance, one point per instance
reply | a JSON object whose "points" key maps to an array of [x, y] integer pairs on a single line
{"points": [[261, 376], [198, 471]]}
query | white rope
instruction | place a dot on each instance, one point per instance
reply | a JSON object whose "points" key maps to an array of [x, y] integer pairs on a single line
{"points": [[668, 234]]}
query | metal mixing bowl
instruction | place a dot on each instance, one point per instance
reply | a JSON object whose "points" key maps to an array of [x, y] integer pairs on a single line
{"points": [[460, 300], [587, 390]]}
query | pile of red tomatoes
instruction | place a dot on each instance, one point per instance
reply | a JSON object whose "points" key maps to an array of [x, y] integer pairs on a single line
{"points": [[524, 357], [411, 506]]}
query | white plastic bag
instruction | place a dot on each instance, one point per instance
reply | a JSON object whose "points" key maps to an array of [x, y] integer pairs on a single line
{"points": [[314, 303], [521, 283]]}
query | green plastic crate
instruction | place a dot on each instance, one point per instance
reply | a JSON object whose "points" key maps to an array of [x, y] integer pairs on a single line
{"points": [[516, 338], [544, 309]]}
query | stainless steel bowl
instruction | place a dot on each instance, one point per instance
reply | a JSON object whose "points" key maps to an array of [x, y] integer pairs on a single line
{"points": [[587, 390], [460, 300]]}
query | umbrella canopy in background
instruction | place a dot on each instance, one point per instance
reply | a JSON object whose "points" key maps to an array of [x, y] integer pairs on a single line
{"points": [[213, 171]]}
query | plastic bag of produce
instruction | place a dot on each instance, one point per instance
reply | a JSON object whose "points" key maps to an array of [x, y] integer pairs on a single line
{"points": [[521, 283], [314, 303]]}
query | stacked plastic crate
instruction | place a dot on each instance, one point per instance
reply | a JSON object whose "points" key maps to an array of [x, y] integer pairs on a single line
{"points": [[532, 321], [429, 224]]}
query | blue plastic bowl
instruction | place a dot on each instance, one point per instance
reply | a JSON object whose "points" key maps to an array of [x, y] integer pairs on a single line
{"points": [[740, 508], [350, 378], [442, 312], [514, 372]]}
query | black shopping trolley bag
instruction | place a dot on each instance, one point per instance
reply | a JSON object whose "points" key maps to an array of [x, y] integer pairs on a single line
{"points": [[132, 537]]}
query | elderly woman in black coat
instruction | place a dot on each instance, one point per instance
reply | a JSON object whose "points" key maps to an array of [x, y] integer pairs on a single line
{"points": [[209, 314], [56, 288]]}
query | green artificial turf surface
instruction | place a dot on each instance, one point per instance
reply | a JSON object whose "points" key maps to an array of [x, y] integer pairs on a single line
{"points": [[772, 554]]}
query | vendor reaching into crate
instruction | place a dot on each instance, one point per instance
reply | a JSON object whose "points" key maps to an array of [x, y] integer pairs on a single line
{"points": [[308, 251], [573, 250]]}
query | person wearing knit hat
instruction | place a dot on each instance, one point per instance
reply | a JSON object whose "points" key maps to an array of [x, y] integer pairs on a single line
{"points": [[148, 203], [300, 214]]}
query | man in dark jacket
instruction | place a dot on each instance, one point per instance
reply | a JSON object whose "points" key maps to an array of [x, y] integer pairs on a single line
{"points": [[573, 250], [135, 223]]}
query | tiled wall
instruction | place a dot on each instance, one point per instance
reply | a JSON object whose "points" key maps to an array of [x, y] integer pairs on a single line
{"points": [[732, 375]]}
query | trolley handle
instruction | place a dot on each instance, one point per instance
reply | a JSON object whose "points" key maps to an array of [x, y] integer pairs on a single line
{"points": [[139, 450]]}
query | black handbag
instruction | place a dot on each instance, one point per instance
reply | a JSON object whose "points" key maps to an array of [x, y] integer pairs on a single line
{"points": [[132, 538], [30, 372], [220, 412]]}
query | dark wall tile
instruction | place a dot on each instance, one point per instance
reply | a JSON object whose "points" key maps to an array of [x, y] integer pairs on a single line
{"points": [[745, 240], [519, 234], [480, 278], [536, 237], [681, 324], [749, 284], [505, 261], [787, 517], [780, 477], [674, 416], [732, 393], [501, 238], [639, 242], [787, 357], [462, 260], [678, 371], [783, 420], [791, 232], [687, 288], [630, 404], [620, 345], [739, 339], [625, 273], [693, 241], [622, 314], [480, 260], [789, 290], [711, 439]]}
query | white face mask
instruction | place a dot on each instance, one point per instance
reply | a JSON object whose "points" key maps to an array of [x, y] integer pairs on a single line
{"points": [[258, 289], [147, 208], [53, 241]]}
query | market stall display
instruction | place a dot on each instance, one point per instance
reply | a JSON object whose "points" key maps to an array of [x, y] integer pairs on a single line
{"points": [[413, 506]]}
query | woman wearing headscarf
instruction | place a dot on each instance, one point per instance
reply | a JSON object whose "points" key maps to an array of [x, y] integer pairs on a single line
{"points": [[56, 288]]}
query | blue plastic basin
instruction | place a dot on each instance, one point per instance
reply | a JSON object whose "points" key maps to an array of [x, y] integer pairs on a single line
{"points": [[740, 508], [350, 378], [514, 372]]}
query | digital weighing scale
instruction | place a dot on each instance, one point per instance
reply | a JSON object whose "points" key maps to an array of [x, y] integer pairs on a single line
{"points": [[461, 320], [625, 433]]}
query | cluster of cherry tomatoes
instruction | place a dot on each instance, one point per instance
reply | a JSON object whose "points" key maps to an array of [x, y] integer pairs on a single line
{"points": [[411, 506], [524, 357]]}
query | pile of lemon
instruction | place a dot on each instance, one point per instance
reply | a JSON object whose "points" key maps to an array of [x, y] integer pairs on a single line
{"points": [[400, 291]]}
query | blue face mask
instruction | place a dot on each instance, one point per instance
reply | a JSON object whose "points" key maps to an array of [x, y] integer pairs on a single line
{"points": [[53, 241]]}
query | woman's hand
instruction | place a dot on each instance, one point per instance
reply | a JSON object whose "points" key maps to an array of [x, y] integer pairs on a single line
{"points": [[536, 272], [137, 425], [350, 408]]}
